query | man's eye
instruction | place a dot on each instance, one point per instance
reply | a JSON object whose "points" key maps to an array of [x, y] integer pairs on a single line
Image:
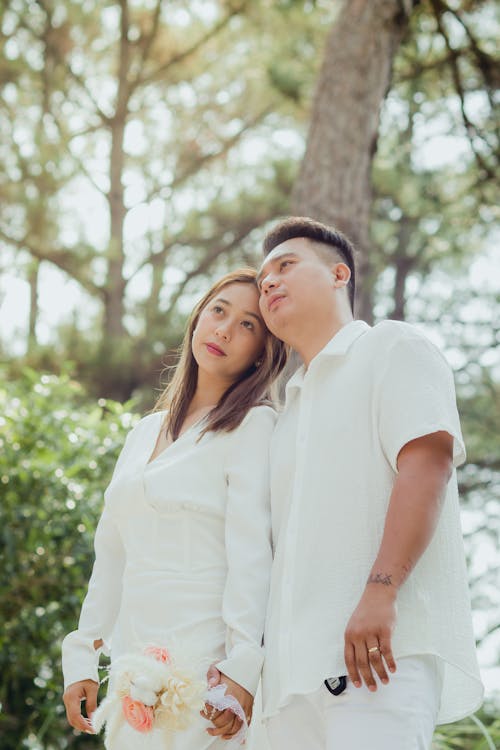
{"points": [[284, 263]]}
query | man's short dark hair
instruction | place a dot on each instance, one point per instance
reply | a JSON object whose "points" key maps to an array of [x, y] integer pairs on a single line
{"points": [[302, 226]]}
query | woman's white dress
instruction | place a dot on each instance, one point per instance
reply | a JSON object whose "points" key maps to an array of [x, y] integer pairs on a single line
{"points": [[183, 557]]}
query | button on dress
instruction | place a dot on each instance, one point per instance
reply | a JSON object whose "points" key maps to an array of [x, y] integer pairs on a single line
{"points": [[183, 557]]}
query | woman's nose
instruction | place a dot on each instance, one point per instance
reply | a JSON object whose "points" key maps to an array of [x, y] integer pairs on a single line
{"points": [[223, 331]]}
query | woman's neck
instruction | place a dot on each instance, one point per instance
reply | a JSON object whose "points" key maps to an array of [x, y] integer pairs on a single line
{"points": [[208, 393]]}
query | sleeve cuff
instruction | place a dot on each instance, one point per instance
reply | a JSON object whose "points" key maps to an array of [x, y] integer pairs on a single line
{"points": [[459, 455], [80, 660], [244, 666]]}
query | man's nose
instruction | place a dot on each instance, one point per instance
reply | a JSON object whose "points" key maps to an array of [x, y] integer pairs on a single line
{"points": [[267, 283]]}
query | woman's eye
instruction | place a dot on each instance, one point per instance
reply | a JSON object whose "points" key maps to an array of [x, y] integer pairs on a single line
{"points": [[248, 324], [217, 309]]}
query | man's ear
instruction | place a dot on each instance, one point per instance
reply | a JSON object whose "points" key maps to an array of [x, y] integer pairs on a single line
{"points": [[341, 275]]}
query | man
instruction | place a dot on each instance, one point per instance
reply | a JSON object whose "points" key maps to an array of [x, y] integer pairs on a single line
{"points": [[368, 639]]}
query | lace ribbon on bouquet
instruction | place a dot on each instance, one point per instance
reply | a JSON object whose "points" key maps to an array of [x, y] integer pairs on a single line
{"points": [[154, 691], [217, 698]]}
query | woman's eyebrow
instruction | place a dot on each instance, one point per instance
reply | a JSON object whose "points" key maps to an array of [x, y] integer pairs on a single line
{"points": [[246, 312]]}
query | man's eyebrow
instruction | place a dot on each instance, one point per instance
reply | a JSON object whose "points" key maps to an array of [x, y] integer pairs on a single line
{"points": [[280, 256], [247, 312]]}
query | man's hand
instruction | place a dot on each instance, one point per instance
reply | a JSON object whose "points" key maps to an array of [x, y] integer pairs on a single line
{"points": [[226, 723], [85, 690], [368, 635], [424, 468]]}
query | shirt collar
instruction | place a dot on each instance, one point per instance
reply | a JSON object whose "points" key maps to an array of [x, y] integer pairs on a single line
{"points": [[338, 346]]}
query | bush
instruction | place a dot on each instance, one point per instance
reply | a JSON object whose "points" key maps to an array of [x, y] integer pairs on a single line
{"points": [[57, 451]]}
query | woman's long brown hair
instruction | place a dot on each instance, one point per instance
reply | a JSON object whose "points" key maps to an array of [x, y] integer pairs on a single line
{"points": [[252, 388]]}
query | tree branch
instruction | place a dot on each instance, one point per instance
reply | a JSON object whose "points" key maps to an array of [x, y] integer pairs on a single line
{"points": [[471, 129], [64, 260], [60, 59], [189, 51], [196, 165], [485, 62], [216, 251]]}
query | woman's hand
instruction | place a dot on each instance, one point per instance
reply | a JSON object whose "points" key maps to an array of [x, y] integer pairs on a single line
{"points": [[226, 723], [84, 690]]}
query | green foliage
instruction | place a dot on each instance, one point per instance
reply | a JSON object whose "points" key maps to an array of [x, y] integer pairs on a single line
{"points": [[479, 732], [57, 451], [176, 155]]}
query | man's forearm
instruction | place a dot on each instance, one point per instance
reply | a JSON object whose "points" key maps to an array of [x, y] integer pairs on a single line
{"points": [[424, 468]]}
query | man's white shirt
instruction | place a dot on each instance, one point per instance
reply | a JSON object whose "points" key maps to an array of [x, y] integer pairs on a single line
{"points": [[333, 463]]}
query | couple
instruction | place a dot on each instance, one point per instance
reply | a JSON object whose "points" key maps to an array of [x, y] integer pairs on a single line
{"points": [[351, 488]]}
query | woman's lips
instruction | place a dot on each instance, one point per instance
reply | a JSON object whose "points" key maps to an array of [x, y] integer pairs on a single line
{"points": [[216, 350]]}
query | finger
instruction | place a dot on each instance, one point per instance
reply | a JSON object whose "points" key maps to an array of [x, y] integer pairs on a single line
{"points": [[222, 722], [207, 710], [222, 718], [226, 728], [91, 700], [231, 727], [376, 663], [213, 676], [363, 665], [72, 705], [350, 662], [386, 651], [76, 720], [235, 728]]}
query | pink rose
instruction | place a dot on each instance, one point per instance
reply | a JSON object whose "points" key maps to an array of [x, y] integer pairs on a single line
{"points": [[139, 716], [158, 653]]}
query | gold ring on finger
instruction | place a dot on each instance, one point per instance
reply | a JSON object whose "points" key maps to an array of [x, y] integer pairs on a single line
{"points": [[373, 649]]}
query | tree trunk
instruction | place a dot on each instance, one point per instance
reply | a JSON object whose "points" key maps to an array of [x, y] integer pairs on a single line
{"points": [[403, 267], [115, 287], [114, 378], [33, 273], [334, 184]]}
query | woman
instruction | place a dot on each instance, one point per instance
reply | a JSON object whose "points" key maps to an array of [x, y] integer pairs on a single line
{"points": [[183, 545]]}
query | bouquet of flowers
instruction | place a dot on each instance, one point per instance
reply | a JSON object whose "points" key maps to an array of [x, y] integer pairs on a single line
{"points": [[152, 691]]}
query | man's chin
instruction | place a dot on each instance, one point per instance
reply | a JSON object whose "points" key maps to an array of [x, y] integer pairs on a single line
{"points": [[278, 330]]}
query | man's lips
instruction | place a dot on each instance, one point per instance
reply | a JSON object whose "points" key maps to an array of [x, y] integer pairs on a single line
{"points": [[214, 349], [273, 300]]}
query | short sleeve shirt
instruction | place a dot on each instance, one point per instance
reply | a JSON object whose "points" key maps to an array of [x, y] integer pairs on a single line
{"points": [[333, 464]]}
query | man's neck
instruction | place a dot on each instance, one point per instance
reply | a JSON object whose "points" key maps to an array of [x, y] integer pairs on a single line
{"points": [[310, 345]]}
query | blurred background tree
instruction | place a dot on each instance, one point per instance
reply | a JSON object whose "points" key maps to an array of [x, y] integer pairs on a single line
{"points": [[145, 147]]}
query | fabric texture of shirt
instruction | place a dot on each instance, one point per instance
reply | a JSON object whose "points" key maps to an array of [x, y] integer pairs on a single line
{"points": [[333, 464], [183, 551]]}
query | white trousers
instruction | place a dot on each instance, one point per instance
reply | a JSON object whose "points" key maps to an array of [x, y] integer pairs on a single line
{"points": [[398, 716]]}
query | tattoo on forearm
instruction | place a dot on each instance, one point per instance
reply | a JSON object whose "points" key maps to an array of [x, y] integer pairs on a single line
{"points": [[384, 578]]}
